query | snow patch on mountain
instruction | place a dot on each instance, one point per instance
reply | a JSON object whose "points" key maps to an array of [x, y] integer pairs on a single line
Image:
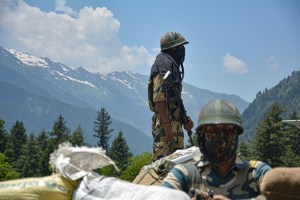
{"points": [[124, 82], [76, 80], [28, 59]]}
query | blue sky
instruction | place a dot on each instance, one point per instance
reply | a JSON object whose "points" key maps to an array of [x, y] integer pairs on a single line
{"points": [[236, 47]]}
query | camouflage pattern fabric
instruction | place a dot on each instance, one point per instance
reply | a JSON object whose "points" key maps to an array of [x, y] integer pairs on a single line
{"points": [[241, 182], [172, 39], [160, 147]]}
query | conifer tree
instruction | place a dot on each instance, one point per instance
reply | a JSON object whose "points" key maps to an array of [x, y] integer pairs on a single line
{"points": [[101, 128], [291, 139], [119, 151], [60, 132], [245, 150], [46, 145], [3, 136], [29, 164], [77, 138], [16, 139], [268, 144]]}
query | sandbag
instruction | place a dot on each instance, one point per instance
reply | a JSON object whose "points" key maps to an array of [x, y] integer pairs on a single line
{"points": [[44, 188], [148, 177], [282, 183], [154, 173], [97, 187]]}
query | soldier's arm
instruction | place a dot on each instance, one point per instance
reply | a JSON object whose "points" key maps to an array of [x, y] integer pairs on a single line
{"points": [[159, 98], [176, 179]]}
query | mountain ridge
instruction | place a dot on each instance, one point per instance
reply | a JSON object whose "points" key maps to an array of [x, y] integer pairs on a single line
{"points": [[123, 94]]}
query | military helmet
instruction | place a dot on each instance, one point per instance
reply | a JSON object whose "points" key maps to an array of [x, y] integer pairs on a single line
{"points": [[172, 39], [220, 112]]}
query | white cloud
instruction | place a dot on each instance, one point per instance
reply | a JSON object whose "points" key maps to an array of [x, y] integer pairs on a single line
{"points": [[273, 63], [60, 6], [233, 65], [89, 40]]}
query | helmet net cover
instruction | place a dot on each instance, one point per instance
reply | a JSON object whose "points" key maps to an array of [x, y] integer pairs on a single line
{"points": [[172, 39]]}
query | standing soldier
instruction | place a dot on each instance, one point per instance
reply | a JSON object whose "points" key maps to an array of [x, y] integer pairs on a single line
{"points": [[164, 95]]}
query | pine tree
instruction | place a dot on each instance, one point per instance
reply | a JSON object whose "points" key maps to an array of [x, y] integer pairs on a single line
{"points": [[291, 138], [60, 132], [77, 138], [268, 144], [47, 147], [3, 136], [29, 164], [245, 150], [16, 139], [119, 151], [101, 128]]}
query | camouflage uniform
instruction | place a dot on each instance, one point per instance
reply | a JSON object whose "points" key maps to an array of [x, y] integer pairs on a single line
{"points": [[161, 91], [168, 91], [240, 183], [219, 125]]}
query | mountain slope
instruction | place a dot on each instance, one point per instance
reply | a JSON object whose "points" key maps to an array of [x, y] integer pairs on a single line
{"points": [[285, 93], [124, 94], [39, 113]]}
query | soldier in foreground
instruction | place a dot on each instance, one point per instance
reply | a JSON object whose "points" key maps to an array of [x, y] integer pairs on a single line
{"points": [[164, 95], [221, 174]]}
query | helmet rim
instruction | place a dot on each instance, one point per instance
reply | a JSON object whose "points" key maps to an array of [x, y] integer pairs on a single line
{"points": [[172, 39]]}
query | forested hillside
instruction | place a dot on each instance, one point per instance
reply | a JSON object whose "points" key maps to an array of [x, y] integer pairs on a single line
{"points": [[286, 93]]}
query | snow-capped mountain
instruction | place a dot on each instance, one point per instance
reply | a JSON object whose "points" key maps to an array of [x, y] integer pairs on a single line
{"points": [[123, 94]]}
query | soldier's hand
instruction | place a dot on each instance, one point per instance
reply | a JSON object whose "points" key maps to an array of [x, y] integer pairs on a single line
{"points": [[189, 125], [220, 197], [206, 197], [168, 131]]}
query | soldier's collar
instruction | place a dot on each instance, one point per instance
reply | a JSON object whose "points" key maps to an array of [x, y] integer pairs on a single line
{"points": [[239, 164]]}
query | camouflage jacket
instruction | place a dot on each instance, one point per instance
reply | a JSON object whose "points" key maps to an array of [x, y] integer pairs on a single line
{"points": [[165, 90], [242, 182]]}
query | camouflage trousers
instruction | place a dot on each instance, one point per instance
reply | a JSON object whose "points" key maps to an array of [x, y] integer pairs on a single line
{"points": [[161, 148]]}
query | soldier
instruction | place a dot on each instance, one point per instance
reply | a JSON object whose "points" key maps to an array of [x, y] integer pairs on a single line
{"points": [[164, 95], [221, 171]]}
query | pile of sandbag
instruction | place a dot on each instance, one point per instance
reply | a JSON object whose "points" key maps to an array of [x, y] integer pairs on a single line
{"points": [[96, 187], [74, 179]]}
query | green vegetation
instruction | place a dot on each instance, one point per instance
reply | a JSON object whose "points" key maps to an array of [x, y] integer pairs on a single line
{"points": [[101, 128], [27, 155], [6, 170], [275, 142], [286, 93], [135, 165]]}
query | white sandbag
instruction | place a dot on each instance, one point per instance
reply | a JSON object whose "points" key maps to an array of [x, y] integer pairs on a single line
{"points": [[96, 187], [76, 162]]}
